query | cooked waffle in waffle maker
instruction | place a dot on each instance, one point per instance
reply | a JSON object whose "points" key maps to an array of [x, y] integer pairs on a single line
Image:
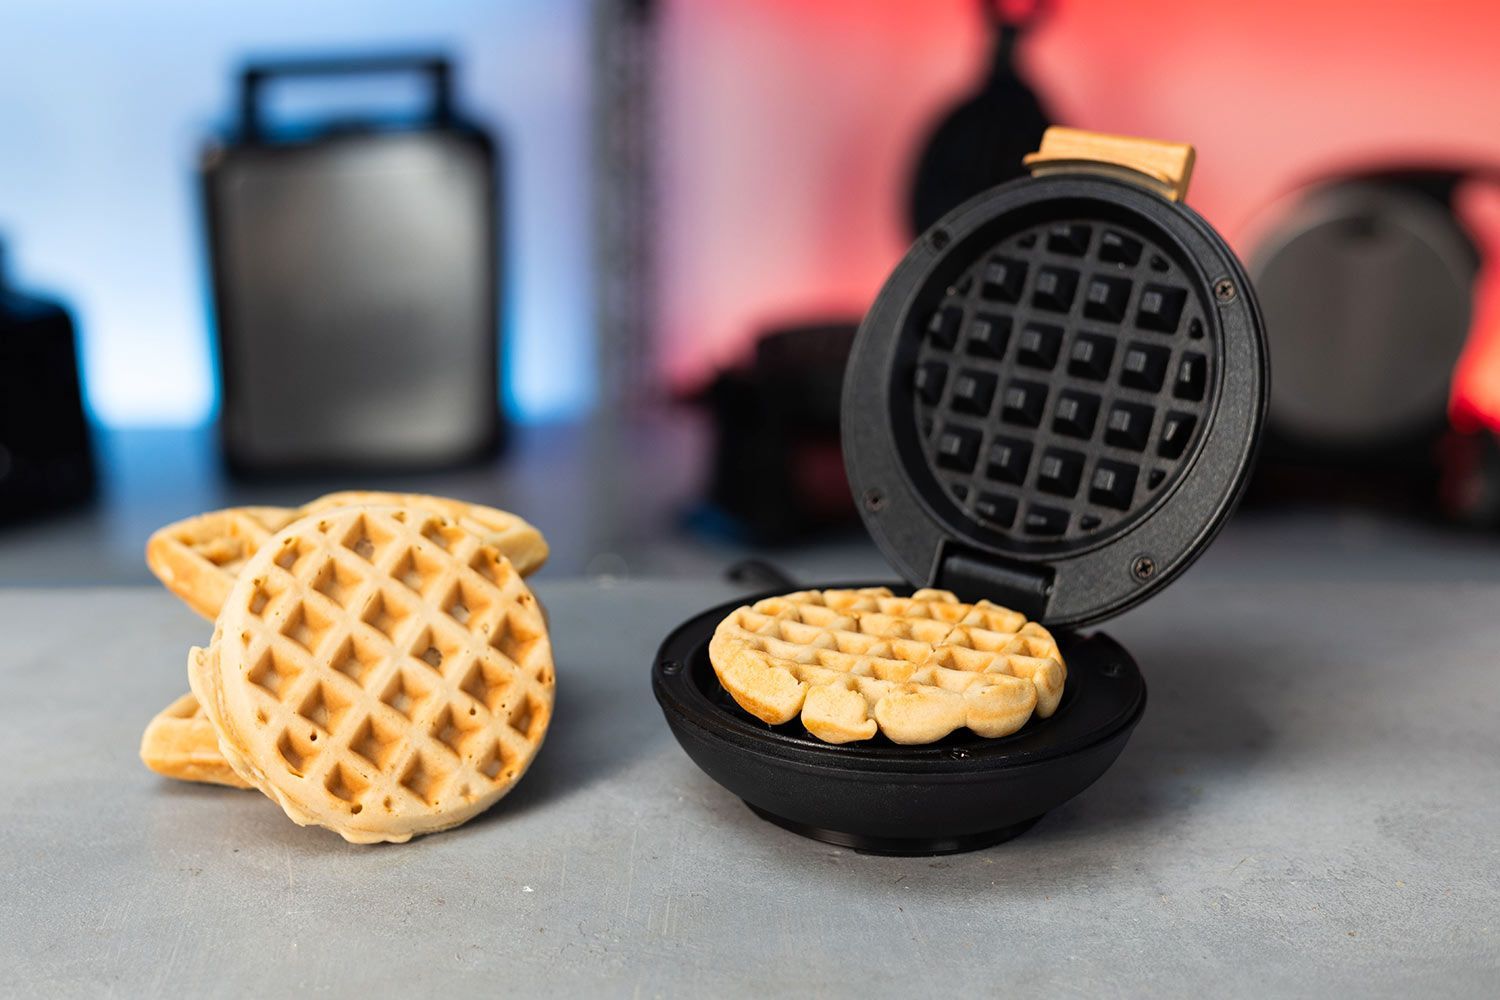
{"points": [[1051, 408], [851, 663]]}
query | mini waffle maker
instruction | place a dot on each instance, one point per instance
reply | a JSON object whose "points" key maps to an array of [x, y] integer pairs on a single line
{"points": [[1053, 404]]}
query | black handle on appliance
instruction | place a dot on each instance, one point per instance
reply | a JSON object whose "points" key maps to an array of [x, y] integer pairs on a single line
{"points": [[759, 574], [254, 76]]}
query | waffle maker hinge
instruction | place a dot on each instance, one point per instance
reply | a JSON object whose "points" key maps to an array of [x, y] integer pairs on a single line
{"points": [[1020, 587], [1162, 167]]}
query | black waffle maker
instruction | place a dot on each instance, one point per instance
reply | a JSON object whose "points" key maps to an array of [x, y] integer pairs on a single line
{"points": [[1053, 404]]}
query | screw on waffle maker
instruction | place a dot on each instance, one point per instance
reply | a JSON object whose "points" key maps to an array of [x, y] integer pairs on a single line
{"points": [[1053, 404]]}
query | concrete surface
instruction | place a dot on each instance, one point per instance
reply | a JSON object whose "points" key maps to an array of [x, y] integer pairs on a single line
{"points": [[1311, 807]]}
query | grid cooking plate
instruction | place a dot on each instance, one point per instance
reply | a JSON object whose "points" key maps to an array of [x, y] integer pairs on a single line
{"points": [[1062, 383]]}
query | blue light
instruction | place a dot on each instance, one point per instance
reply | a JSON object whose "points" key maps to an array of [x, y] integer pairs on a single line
{"points": [[103, 107]]}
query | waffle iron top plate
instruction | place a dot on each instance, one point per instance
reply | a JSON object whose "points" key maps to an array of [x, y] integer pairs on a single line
{"points": [[1055, 400]]}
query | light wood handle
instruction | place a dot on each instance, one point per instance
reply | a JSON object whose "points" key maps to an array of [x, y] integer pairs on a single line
{"points": [[1163, 167]]}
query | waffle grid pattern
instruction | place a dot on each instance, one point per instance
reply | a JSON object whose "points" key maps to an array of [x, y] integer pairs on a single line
{"points": [[198, 558], [391, 662], [516, 539], [854, 662], [1063, 381]]}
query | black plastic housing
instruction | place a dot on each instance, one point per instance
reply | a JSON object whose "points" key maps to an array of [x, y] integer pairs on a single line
{"points": [[46, 461], [1066, 582], [961, 793], [1018, 289]]}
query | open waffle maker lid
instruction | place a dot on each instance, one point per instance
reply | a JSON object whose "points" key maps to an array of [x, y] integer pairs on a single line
{"points": [[1053, 404], [1055, 400]]}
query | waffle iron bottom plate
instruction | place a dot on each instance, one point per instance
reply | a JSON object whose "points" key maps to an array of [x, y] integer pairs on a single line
{"points": [[959, 794]]}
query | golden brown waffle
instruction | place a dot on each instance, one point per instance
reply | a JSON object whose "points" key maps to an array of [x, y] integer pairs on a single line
{"points": [[181, 743], [379, 671], [199, 557], [517, 540], [854, 662]]}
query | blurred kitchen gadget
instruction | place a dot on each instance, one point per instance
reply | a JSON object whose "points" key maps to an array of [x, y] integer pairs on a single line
{"points": [[356, 285], [778, 473], [44, 436], [1369, 279], [980, 142], [1368, 283]]}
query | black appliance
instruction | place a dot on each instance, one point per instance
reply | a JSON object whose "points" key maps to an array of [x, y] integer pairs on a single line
{"points": [[45, 460], [979, 143], [1367, 281], [777, 473], [1053, 404], [356, 281]]}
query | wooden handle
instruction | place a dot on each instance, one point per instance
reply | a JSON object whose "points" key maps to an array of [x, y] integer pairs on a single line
{"points": [[1163, 167]]}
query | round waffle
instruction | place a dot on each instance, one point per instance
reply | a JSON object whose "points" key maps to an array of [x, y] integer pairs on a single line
{"points": [[379, 671], [855, 662], [198, 558], [181, 743]]}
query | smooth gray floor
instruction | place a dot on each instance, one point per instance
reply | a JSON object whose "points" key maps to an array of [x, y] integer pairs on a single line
{"points": [[1311, 807]]}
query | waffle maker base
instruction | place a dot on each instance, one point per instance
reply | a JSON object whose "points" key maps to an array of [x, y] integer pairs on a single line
{"points": [[961, 793]]}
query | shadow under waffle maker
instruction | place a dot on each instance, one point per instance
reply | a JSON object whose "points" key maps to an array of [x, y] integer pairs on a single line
{"points": [[1053, 404]]}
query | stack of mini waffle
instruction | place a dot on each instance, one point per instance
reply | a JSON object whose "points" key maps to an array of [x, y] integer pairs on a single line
{"points": [[378, 665]]}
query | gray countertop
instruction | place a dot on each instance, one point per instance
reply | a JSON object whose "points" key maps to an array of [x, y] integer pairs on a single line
{"points": [[1311, 805]]}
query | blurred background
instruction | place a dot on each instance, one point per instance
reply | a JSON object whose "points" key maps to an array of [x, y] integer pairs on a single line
{"points": [[600, 262]]}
